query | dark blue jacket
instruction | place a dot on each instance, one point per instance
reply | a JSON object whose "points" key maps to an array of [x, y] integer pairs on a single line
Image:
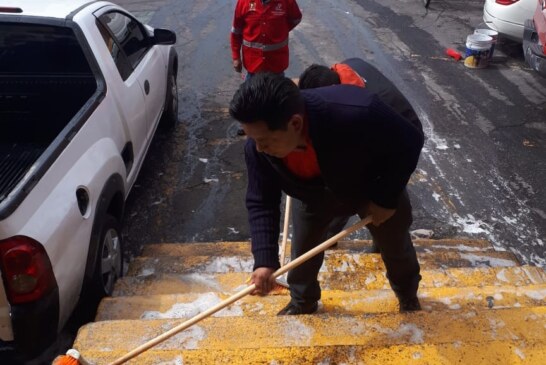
{"points": [[379, 84], [365, 151]]}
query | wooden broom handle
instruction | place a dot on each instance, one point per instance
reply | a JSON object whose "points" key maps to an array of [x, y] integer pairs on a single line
{"points": [[287, 208], [322, 247], [190, 322]]}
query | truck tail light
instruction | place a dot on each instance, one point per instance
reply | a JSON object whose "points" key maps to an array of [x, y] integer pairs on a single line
{"points": [[506, 2], [5, 9], [26, 269]]}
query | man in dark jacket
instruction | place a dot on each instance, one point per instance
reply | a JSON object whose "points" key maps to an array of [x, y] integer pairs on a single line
{"points": [[356, 71], [338, 151]]}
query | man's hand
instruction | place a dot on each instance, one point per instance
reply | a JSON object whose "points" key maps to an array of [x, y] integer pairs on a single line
{"points": [[379, 214], [264, 280], [237, 65]]}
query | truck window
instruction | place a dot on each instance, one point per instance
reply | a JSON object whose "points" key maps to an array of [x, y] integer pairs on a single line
{"points": [[40, 50], [122, 63], [128, 34]]}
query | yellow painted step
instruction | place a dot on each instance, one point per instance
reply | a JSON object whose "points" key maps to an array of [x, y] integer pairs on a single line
{"points": [[243, 248], [455, 353], [344, 262], [514, 325], [231, 282], [338, 302]]}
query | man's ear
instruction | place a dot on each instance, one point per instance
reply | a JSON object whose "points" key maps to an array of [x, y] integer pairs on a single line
{"points": [[296, 121]]}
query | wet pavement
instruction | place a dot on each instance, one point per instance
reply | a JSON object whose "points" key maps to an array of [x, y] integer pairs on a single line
{"points": [[483, 169]]}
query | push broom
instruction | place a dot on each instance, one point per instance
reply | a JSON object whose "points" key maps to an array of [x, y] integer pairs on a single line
{"points": [[64, 360], [281, 280]]}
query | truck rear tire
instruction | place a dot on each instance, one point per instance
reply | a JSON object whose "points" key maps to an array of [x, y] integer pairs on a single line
{"points": [[109, 263], [170, 113]]}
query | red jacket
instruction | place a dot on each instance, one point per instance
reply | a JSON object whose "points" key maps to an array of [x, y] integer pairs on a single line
{"points": [[262, 32]]}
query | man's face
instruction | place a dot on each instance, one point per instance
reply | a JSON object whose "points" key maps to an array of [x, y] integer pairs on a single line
{"points": [[275, 143]]}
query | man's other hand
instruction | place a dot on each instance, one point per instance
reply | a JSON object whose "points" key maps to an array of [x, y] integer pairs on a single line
{"points": [[263, 278], [379, 214], [237, 65]]}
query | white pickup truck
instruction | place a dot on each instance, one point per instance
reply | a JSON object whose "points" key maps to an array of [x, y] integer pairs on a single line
{"points": [[83, 87]]}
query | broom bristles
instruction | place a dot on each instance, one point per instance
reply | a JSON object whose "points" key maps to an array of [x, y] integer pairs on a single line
{"points": [[72, 357], [279, 289], [65, 360]]}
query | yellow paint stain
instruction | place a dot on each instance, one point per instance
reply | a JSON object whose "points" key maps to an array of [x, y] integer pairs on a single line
{"points": [[526, 325], [340, 302], [232, 282], [485, 315], [496, 352], [243, 248]]}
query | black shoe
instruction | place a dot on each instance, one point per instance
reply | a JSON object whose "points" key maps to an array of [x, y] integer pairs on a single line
{"points": [[410, 304], [293, 309], [241, 132]]}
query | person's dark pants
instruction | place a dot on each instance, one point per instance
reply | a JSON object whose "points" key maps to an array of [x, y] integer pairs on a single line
{"points": [[312, 224], [249, 75]]}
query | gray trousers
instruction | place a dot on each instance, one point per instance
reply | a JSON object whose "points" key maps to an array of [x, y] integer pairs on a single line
{"points": [[314, 223]]}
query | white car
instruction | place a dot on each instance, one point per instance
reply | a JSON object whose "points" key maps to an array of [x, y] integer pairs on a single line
{"points": [[83, 88], [534, 39], [508, 16]]}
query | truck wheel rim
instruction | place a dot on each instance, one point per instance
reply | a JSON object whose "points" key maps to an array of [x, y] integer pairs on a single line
{"points": [[111, 260]]}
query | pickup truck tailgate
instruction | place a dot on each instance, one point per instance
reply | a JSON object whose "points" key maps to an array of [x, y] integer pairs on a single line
{"points": [[15, 160]]}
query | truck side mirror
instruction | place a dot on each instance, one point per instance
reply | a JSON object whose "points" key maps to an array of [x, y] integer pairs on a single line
{"points": [[164, 36]]}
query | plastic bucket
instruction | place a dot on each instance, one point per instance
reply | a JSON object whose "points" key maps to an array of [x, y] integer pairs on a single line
{"points": [[478, 47], [493, 34]]}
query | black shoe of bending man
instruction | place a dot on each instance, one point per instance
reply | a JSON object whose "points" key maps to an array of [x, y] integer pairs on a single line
{"points": [[409, 304], [293, 309]]}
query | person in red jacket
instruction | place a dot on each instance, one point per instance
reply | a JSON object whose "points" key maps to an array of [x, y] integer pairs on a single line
{"points": [[260, 29]]}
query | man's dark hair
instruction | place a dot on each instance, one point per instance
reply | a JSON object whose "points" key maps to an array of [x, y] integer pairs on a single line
{"points": [[318, 76], [267, 97]]}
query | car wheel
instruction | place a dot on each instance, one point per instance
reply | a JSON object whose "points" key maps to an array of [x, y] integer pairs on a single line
{"points": [[170, 114], [109, 263]]}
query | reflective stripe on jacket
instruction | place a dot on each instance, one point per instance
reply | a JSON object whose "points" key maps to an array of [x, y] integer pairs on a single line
{"points": [[261, 30]]}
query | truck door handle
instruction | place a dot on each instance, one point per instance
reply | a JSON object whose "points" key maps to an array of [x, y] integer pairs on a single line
{"points": [[146, 87]]}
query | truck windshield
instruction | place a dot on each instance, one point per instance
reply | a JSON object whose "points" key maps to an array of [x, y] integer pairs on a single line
{"points": [[40, 49]]}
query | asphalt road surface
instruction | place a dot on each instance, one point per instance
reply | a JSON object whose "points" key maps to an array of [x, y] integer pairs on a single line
{"points": [[482, 172]]}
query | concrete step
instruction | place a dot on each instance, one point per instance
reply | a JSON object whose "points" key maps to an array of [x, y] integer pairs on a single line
{"points": [[334, 261], [219, 249], [493, 352], [345, 281], [518, 328], [338, 302]]}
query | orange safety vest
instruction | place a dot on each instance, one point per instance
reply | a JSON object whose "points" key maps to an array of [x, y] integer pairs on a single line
{"points": [[347, 75]]}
